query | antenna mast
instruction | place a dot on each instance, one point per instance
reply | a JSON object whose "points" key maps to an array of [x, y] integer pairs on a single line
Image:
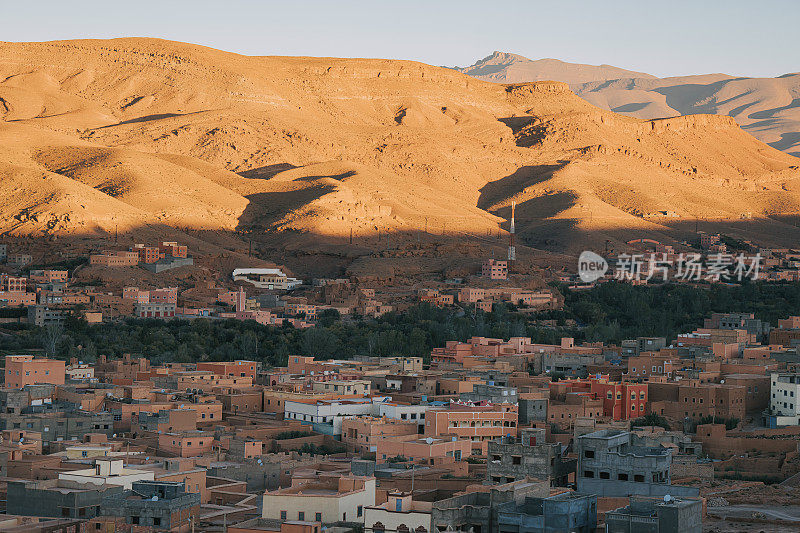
{"points": [[512, 252]]}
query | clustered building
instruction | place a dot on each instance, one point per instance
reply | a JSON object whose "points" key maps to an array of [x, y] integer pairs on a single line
{"points": [[485, 435]]}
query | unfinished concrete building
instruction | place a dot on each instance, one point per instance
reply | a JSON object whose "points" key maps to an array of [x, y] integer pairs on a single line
{"points": [[609, 464], [657, 515], [530, 456], [476, 512], [568, 511]]}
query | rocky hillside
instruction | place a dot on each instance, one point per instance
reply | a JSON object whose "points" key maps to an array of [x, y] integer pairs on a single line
{"points": [[128, 133]]}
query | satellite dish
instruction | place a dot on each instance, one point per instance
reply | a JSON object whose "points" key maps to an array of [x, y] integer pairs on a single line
{"points": [[147, 458], [667, 498], [429, 440], [154, 499], [21, 440], [114, 436], [455, 439]]}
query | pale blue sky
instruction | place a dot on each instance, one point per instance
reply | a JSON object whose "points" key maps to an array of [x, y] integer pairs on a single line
{"points": [[667, 38]]}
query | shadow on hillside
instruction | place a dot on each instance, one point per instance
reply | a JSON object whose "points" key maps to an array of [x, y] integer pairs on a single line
{"points": [[503, 189], [684, 98], [146, 118], [526, 132], [787, 140], [267, 171], [267, 208]]}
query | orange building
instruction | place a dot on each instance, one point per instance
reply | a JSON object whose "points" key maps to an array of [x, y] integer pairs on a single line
{"points": [[114, 259], [17, 298], [24, 370], [48, 276], [362, 434], [423, 449], [186, 444], [478, 424], [493, 269], [234, 369]]}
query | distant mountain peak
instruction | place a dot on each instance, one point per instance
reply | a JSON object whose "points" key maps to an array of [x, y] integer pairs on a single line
{"points": [[506, 67]]}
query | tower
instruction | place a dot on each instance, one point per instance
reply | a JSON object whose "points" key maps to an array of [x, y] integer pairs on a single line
{"points": [[512, 252]]}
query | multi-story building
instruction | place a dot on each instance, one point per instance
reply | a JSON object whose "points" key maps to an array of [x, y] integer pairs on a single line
{"points": [[784, 404], [362, 433], [15, 284], [400, 513], [356, 387], [57, 498], [404, 412], [692, 399], [664, 515], [151, 310], [156, 505], [147, 254], [511, 459], [567, 511], [609, 465], [425, 450], [24, 370], [493, 269], [329, 498], [173, 249], [186, 443], [58, 425], [19, 259], [620, 401], [114, 259], [17, 299], [239, 368], [48, 276], [326, 416], [479, 424], [490, 393], [41, 315]]}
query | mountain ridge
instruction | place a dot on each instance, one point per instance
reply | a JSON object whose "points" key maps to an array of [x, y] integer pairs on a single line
{"points": [[767, 108], [318, 149]]}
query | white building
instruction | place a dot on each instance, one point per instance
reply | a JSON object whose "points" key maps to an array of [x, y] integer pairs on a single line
{"points": [[328, 499], [327, 415], [266, 278], [404, 412], [108, 471], [784, 395], [400, 514]]}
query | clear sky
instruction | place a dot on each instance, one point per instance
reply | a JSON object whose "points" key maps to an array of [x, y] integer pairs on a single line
{"points": [[665, 38]]}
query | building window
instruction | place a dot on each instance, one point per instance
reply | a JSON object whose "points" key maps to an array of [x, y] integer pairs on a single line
{"points": [[301, 515], [135, 520], [359, 510], [318, 517], [588, 473], [622, 477], [639, 478], [283, 513], [605, 475], [157, 521]]}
